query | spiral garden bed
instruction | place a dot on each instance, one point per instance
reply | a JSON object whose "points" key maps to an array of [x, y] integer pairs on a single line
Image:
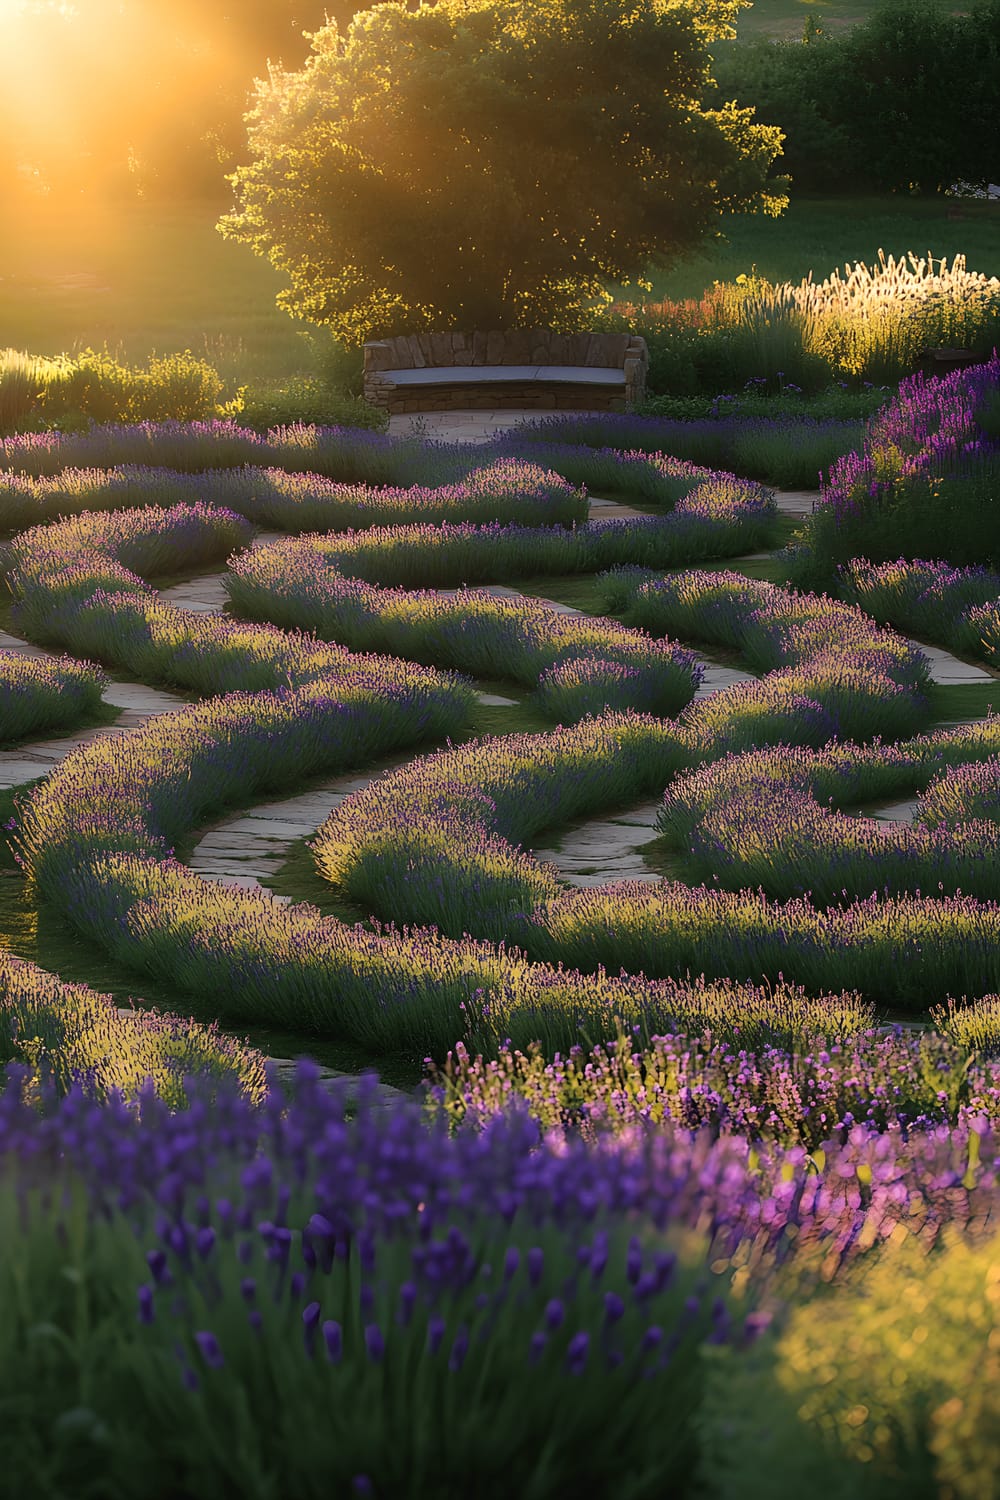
{"points": [[662, 1119]]}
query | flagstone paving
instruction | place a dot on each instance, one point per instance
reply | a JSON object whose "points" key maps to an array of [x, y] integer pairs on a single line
{"points": [[604, 850], [948, 670], [247, 848], [36, 758]]}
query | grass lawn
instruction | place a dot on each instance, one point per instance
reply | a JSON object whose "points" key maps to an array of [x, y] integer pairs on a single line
{"points": [[819, 234], [141, 278]]}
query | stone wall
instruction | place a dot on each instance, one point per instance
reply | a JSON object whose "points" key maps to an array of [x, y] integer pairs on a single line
{"points": [[515, 346]]}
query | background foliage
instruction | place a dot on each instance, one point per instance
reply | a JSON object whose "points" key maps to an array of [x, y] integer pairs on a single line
{"points": [[492, 165], [906, 100]]}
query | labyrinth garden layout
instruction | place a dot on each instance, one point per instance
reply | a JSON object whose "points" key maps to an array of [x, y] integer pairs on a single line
{"points": [[789, 987]]}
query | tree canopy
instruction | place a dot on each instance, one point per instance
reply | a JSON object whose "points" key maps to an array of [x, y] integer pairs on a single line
{"points": [[492, 163]]}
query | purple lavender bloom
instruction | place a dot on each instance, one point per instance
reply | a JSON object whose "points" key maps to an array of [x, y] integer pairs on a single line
{"points": [[208, 1348]]}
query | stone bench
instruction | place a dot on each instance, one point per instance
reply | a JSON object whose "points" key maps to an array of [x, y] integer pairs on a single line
{"points": [[532, 369]]}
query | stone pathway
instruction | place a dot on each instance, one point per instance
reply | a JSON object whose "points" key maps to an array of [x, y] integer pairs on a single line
{"points": [[254, 843], [207, 594], [281, 1073], [37, 757], [604, 850], [614, 510], [947, 670], [893, 812], [718, 677]]}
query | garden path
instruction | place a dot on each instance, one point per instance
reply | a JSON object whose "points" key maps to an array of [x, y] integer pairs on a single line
{"points": [[137, 703]]}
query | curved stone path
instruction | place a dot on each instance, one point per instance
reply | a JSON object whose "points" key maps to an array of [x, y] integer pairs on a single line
{"points": [[26, 762]]}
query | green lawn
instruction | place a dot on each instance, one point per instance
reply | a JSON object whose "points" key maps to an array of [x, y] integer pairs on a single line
{"points": [[141, 278], [820, 234]]}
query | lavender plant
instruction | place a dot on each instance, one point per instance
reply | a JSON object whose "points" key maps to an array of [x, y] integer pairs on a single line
{"points": [[509, 490], [39, 693]]}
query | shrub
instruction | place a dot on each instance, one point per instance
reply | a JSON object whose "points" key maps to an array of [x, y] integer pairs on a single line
{"points": [[925, 477], [885, 1387], [906, 100], [307, 400]]}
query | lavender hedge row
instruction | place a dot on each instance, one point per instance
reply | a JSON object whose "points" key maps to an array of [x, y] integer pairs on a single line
{"points": [[926, 476], [250, 1299], [958, 607], [348, 454], [806, 1089], [790, 451], [901, 953], [833, 673], [97, 551], [506, 489], [72, 588], [460, 553], [37, 693], [289, 584], [68, 1036], [435, 840], [769, 819]]}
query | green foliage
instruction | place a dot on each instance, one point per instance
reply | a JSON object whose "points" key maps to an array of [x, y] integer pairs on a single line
{"points": [[885, 1389], [303, 399], [491, 164], [907, 100], [74, 390]]}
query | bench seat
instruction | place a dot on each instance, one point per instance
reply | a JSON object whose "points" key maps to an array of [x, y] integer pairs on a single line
{"points": [[513, 369], [506, 375]]}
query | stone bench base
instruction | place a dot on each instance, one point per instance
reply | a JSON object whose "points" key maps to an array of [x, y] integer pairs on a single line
{"points": [[516, 370]]}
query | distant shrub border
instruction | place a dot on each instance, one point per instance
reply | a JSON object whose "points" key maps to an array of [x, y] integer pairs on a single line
{"points": [[74, 391]]}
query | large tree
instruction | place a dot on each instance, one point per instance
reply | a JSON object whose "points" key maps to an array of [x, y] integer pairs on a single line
{"points": [[491, 163]]}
